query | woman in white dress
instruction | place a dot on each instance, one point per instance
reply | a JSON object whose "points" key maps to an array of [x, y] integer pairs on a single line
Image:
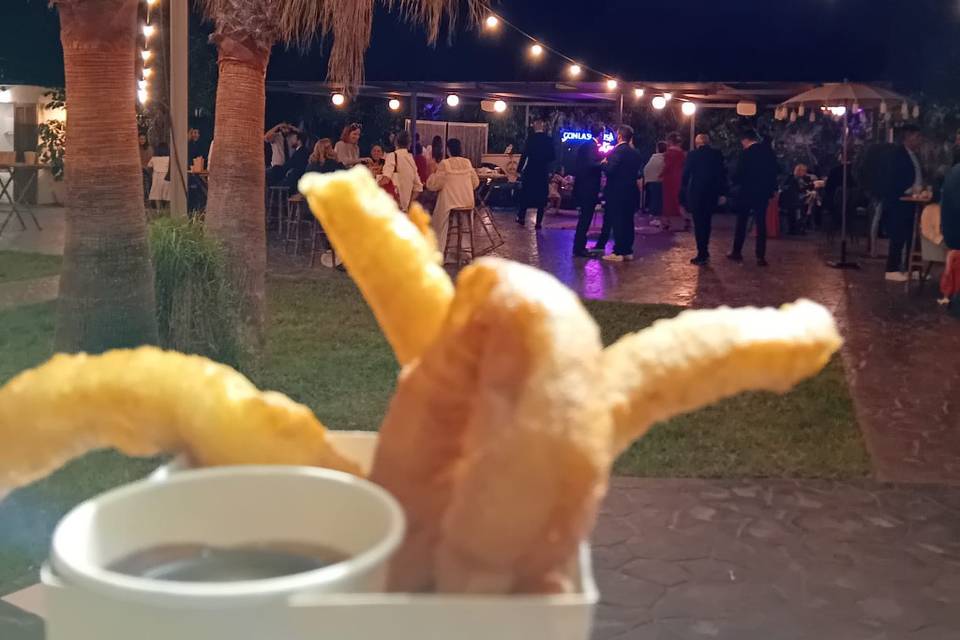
{"points": [[348, 147], [456, 180], [401, 169], [159, 164]]}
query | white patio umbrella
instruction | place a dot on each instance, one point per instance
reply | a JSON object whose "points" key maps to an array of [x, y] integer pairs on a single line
{"points": [[851, 96]]}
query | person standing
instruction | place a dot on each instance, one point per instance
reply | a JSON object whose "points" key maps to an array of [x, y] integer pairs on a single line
{"points": [[586, 189], [906, 178], [275, 140], [756, 181], [534, 171], [348, 147], [457, 182], [623, 172], [950, 228], [652, 185], [146, 153], [704, 181], [401, 169], [673, 159]]}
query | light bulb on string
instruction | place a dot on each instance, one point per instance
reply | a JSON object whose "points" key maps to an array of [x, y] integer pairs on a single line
{"points": [[338, 99], [688, 108], [916, 111], [146, 54], [143, 96], [499, 106], [612, 84], [147, 72], [536, 50], [801, 111], [141, 85], [575, 70], [148, 30], [394, 104], [659, 103], [150, 3], [813, 115], [639, 92], [492, 22], [668, 96], [453, 100]]}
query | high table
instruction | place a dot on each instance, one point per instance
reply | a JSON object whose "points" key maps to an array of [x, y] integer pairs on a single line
{"points": [[6, 189], [914, 246]]}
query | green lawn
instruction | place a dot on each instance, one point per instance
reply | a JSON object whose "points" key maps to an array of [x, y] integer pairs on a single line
{"points": [[19, 265], [325, 350]]}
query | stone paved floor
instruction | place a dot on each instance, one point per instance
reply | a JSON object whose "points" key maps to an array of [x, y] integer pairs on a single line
{"points": [[777, 560]]}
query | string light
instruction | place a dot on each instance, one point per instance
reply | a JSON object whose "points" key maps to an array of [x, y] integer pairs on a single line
{"points": [[147, 72], [668, 96], [394, 104], [612, 84], [659, 102], [338, 99], [688, 108], [453, 100], [499, 106], [536, 50], [639, 92], [143, 96], [150, 3], [146, 54], [148, 30], [142, 85], [575, 70], [492, 22]]}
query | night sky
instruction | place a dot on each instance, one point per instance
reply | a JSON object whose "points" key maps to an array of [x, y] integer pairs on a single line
{"points": [[913, 43]]}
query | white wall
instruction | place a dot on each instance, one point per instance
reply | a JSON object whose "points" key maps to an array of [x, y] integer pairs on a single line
{"points": [[12, 95]]}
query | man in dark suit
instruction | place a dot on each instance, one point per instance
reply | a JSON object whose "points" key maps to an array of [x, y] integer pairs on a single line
{"points": [[906, 177], [534, 168], [756, 180], [586, 189], [704, 181], [296, 166], [623, 169]]}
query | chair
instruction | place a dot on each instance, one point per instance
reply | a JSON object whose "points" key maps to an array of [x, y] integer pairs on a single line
{"points": [[278, 199], [459, 246], [297, 216]]}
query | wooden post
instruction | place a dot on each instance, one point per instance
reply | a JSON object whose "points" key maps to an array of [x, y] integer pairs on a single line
{"points": [[179, 106]]}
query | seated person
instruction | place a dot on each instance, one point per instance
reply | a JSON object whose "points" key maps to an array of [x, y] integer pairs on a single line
{"points": [[324, 158], [794, 198], [296, 166]]}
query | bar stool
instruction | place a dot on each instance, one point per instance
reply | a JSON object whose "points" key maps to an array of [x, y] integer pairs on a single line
{"points": [[297, 216], [486, 223], [459, 247], [278, 200], [320, 244]]}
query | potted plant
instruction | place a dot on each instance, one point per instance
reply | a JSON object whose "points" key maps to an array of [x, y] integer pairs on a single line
{"points": [[52, 140]]}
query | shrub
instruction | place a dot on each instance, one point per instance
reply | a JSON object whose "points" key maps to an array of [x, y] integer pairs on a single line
{"points": [[197, 309]]}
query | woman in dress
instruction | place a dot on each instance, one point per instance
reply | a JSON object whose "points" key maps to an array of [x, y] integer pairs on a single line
{"points": [[146, 152], [400, 169], [348, 147], [456, 180], [159, 164], [673, 161]]}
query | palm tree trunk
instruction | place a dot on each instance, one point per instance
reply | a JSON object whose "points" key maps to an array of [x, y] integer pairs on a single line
{"points": [[235, 204], [106, 290]]}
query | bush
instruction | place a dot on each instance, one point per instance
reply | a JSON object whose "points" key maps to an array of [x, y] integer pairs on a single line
{"points": [[197, 309]]}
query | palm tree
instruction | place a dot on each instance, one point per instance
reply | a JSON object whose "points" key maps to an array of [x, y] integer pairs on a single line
{"points": [[106, 290], [245, 32]]}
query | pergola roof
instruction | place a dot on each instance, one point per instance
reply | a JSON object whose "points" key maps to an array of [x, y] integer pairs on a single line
{"points": [[707, 94]]}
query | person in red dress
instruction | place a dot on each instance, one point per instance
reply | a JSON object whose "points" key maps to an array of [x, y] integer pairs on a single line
{"points": [[673, 161]]}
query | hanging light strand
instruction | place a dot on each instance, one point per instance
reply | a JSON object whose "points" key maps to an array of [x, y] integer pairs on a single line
{"points": [[545, 48], [148, 30]]}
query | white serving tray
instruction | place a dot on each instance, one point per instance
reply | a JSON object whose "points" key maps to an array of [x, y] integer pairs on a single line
{"points": [[75, 614]]}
